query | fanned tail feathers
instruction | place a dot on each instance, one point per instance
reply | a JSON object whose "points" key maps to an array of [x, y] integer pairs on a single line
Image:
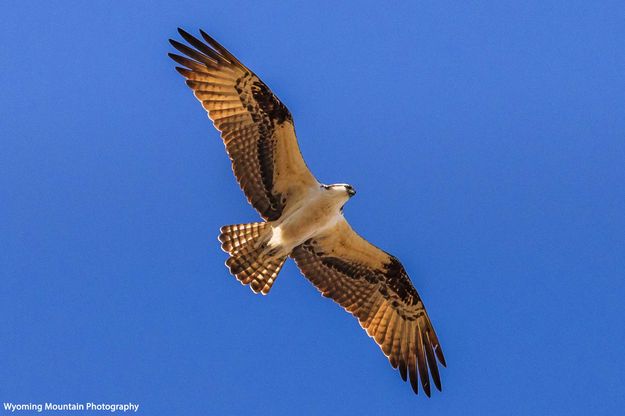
{"points": [[234, 237], [249, 261]]}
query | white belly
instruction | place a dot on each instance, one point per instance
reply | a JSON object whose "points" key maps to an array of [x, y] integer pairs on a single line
{"points": [[313, 216]]}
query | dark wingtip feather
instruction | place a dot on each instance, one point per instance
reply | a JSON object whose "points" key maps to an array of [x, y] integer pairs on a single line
{"points": [[439, 355], [207, 37], [437, 384], [426, 388], [403, 371], [425, 378], [189, 63], [431, 360], [175, 44], [216, 44], [178, 59], [181, 47], [182, 71], [188, 37], [436, 378], [212, 42], [414, 381], [202, 47]]}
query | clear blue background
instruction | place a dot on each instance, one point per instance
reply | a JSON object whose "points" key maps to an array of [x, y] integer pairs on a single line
{"points": [[487, 145]]}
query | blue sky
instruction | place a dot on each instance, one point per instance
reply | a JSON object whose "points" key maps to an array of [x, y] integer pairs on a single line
{"points": [[486, 142]]}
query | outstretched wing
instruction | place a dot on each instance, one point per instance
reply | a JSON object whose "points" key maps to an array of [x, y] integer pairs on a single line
{"points": [[257, 129], [374, 287]]}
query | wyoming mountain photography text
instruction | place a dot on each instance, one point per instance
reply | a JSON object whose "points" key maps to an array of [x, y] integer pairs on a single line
{"points": [[70, 407]]}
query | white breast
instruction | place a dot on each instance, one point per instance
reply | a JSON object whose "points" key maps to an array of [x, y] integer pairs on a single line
{"points": [[317, 212]]}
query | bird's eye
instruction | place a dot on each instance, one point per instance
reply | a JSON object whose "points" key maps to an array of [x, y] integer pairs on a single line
{"points": [[325, 187]]}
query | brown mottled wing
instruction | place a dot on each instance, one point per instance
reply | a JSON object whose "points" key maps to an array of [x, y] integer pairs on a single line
{"points": [[257, 129], [374, 287]]}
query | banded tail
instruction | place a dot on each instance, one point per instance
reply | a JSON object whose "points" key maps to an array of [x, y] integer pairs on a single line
{"points": [[250, 260]]}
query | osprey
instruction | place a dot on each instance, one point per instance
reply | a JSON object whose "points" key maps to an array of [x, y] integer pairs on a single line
{"points": [[303, 218]]}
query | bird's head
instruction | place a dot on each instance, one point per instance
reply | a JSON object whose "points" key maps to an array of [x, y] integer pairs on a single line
{"points": [[340, 189]]}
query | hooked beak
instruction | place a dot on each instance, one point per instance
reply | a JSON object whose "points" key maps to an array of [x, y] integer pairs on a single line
{"points": [[351, 192]]}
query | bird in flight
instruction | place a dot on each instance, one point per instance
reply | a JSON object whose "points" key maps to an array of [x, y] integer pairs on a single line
{"points": [[303, 219]]}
